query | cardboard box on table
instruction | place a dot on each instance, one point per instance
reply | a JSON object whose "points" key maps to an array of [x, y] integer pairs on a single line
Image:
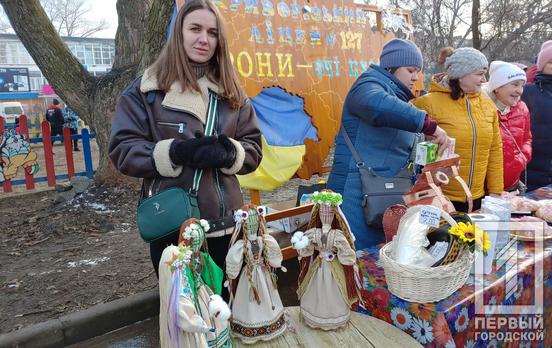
{"points": [[288, 225]]}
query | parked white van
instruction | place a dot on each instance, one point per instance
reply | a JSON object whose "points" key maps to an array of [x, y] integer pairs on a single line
{"points": [[11, 111]]}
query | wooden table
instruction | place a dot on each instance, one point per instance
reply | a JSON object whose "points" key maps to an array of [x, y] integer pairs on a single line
{"points": [[361, 331]]}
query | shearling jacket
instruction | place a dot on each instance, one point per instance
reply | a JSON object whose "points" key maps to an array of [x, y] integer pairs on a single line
{"points": [[148, 120], [473, 122]]}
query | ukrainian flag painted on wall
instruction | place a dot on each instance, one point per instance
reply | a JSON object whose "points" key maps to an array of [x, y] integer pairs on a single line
{"points": [[284, 126]]}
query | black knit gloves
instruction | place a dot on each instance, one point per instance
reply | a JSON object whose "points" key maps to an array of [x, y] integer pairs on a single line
{"points": [[203, 152], [182, 151], [221, 154]]}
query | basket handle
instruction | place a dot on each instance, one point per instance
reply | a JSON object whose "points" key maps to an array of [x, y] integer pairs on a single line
{"points": [[448, 218], [415, 209], [469, 197]]}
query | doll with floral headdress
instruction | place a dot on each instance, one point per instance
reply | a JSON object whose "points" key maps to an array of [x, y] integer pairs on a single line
{"points": [[192, 313], [329, 280], [257, 311]]}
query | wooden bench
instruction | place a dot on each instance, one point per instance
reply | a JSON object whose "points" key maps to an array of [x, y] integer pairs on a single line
{"points": [[361, 331], [283, 238]]}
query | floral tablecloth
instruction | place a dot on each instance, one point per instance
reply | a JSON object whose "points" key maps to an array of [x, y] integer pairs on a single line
{"points": [[452, 321], [541, 193]]}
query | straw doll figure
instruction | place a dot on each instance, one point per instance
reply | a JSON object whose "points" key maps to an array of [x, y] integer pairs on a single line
{"points": [[329, 279], [192, 314], [257, 311]]}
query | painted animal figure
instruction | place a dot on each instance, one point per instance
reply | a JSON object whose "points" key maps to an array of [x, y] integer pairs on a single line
{"points": [[15, 152]]}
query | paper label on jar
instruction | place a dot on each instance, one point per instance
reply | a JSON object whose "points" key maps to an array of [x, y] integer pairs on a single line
{"points": [[438, 250]]}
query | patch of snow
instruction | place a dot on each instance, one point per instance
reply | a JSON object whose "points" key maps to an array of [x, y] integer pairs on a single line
{"points": [[90, 262], [125, 227], [99, 207], [47, 272], [105, 211]]}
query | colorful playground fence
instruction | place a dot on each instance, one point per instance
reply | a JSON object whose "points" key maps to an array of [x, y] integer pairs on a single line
{"points": [[46, 141]]}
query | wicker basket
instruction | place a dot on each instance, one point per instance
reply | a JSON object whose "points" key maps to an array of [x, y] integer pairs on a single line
{"points": [[455, 247], [432, 284]]}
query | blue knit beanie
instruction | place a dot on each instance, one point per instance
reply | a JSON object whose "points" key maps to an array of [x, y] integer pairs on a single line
{"points": [[398, 52]]}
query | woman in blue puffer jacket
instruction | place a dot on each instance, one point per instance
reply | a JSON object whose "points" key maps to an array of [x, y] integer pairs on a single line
{"points": [[382, 125]]}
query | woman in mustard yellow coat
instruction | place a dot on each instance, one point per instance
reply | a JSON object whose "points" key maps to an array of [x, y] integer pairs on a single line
{"points": [[455, 101]]}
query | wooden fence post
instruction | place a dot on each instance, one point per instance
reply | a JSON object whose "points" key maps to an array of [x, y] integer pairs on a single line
{"points": [[87, 151], [48, 153], [68, 144], [24, 129]]}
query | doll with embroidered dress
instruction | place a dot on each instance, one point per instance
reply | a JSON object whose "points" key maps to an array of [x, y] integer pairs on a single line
{"points": [[257, 310], [329, 278], [192, 313]]}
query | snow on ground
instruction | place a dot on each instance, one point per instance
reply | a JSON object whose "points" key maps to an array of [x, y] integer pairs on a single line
{"points": [[90, 262]]}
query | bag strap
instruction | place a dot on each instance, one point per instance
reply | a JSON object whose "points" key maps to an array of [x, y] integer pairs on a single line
{"points": [[356, 156], [209, 129], [351, 147]]}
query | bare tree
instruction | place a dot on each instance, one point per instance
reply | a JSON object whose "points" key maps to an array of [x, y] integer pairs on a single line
{"points": [[140, 36], [511, 30], [69, 17], [437, 23], [516, 29], [476, 22]]}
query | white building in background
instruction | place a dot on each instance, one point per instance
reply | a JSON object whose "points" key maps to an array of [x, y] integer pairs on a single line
{"points": [[95, 54]]}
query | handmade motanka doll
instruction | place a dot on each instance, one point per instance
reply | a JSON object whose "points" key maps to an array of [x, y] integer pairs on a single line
{"points": [[257, 311], [192, 313], [329, 279]]}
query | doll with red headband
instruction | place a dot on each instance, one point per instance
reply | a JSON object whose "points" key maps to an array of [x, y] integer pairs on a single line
{"points": [[257, 310]]}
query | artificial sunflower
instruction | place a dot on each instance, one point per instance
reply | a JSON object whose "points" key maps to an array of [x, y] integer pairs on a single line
{"points": [[464, 232], [482, 240], [471, 235]]}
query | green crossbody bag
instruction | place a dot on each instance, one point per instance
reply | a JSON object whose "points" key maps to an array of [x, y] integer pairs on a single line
{"points": [[161, 215]]}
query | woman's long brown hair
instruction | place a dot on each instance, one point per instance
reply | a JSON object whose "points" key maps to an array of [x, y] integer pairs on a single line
{"points": [[173, 63]]}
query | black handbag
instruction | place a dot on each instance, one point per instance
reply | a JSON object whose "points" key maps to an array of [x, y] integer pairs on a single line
{"points": [[378, 192], [161, 214]]}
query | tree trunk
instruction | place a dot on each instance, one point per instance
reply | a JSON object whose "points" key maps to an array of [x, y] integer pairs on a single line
{"points": [[140, 36], [476, 34]]}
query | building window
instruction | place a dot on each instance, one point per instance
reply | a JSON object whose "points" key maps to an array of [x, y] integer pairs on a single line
{"points": [[88, 54], [36, 83], [3, 53], [21, 56], [13, 52], [108, 52], [97, 54]]}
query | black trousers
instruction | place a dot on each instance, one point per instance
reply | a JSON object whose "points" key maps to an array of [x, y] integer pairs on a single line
{"points": [[55, 131], [463, 206], [218, 248], [75, 141]]}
